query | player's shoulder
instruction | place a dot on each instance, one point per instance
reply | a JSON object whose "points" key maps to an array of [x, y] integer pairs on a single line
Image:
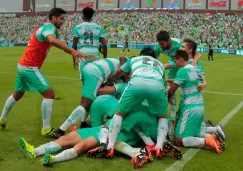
{"points": [[176, 41], [48, 26]]}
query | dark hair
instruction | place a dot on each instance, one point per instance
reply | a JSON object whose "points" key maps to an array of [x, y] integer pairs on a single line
{"points": [[163, 36], [88, 13], [192, 45], [56, 12], [148, 51], [181, 54]]}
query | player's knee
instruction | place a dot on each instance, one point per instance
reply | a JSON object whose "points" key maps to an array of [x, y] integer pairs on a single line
{"points": [[49, 93], [81, 148], [178, 142], [18, 95]]}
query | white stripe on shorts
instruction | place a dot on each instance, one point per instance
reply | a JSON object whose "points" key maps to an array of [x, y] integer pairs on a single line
{"points": [[38, 74]]}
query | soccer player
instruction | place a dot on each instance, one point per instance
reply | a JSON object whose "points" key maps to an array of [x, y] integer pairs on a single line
{"points": [[191, 111], [126, 44], [90, 36], [29, 76], [146, 83], [169, 46], [94, 74], [210, 52]]}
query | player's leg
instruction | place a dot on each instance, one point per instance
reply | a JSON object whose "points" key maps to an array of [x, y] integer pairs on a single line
{"points": [[171, 75], [20, 89], [92, 81], [89, 138], [130, 98], [68, 140]]}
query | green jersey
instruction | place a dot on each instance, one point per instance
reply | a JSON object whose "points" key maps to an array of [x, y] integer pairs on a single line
{"points": [[107, 67], [199, 66], [176, 45], [45, 30], [89, 35], [188, 78], [145, 67]]}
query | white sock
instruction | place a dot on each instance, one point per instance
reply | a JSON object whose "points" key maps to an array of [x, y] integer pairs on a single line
{"points": [[48, 148], [7, 107], [46, 109], [103, 135], [193, 142], [66, 155], [203, 135], [126, 149], [162, 132], [173, 107], [209, 129], [146, 140], [76, 115], [114, 129]]}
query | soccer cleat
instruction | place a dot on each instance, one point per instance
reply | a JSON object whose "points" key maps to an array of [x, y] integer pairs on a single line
{"points": [[159, 153], [209, 123], [3, 124], [146, 151], [98, 151], [47, 132], [27, 148], [170, 148], [57, 134], [47, 160], [220, 141], [139, 160], [73, 128], [151, 148], [221, 132], [211, 142], [110, 153]]}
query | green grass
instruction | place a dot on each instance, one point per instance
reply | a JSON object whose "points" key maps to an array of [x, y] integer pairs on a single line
{"points": [[224, 75]]}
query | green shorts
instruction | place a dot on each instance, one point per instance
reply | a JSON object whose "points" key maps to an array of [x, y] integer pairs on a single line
{"points": [[190, 121], [102, 105], [139, 89], [85, 133], [92, 81], [131, 137], [30, 79]]}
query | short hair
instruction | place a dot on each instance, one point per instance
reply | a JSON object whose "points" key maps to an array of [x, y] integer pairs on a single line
{"points": [[88, 13], [181, 54], [56, 12], [148, 51], [192, 45], [163, 36]]}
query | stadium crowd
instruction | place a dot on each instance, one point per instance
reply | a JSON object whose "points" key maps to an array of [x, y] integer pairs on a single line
{"points": [[223, 31]]}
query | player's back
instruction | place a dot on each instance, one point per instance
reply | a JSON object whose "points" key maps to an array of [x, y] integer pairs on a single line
{"points": [[191, 77], [107, 66], [147, 67], [89, 34]]}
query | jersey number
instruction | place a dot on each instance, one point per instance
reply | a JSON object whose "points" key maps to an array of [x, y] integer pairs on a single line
{"points": [[88, 35], [150, 62]]}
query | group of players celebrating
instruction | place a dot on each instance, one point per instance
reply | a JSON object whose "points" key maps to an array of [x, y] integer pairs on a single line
{"points": [[124, 101]]}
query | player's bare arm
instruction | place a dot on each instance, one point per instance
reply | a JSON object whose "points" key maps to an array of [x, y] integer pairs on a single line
{"points": [[59, 44], [75, 46], [203, 84], [106, 90], [117, 74], [103, 46], [196, 59], [172, 91]]}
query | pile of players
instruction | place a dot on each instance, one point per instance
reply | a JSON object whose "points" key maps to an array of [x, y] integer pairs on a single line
{"points": [[124, 101]]}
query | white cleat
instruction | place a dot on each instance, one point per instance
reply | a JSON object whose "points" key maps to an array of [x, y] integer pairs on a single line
{"points": [[221, 132]]}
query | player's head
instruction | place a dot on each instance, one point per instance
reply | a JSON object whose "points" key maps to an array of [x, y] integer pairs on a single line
{"points": [[56, 16], [163, 39], [88, 13], [189, 46], [148, 51], [181, 58]]}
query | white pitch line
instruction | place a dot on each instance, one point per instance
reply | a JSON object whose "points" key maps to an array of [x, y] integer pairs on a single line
{"points": [[178, 165], [222, 93]]}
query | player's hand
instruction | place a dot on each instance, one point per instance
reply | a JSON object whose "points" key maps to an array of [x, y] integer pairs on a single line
{"points": [[200, 86], [75, 63], [77, 54]]}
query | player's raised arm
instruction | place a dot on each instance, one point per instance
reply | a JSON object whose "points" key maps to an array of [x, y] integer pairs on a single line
{"points": [[196, 59]]}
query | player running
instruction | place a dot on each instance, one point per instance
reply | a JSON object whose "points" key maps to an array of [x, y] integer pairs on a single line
{"points": [[29, 76], [191, 110]]}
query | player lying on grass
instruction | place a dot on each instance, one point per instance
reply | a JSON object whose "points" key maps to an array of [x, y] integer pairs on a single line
{"points": [[29, 76], [191, 111], [84, 139], [94, 74]]}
